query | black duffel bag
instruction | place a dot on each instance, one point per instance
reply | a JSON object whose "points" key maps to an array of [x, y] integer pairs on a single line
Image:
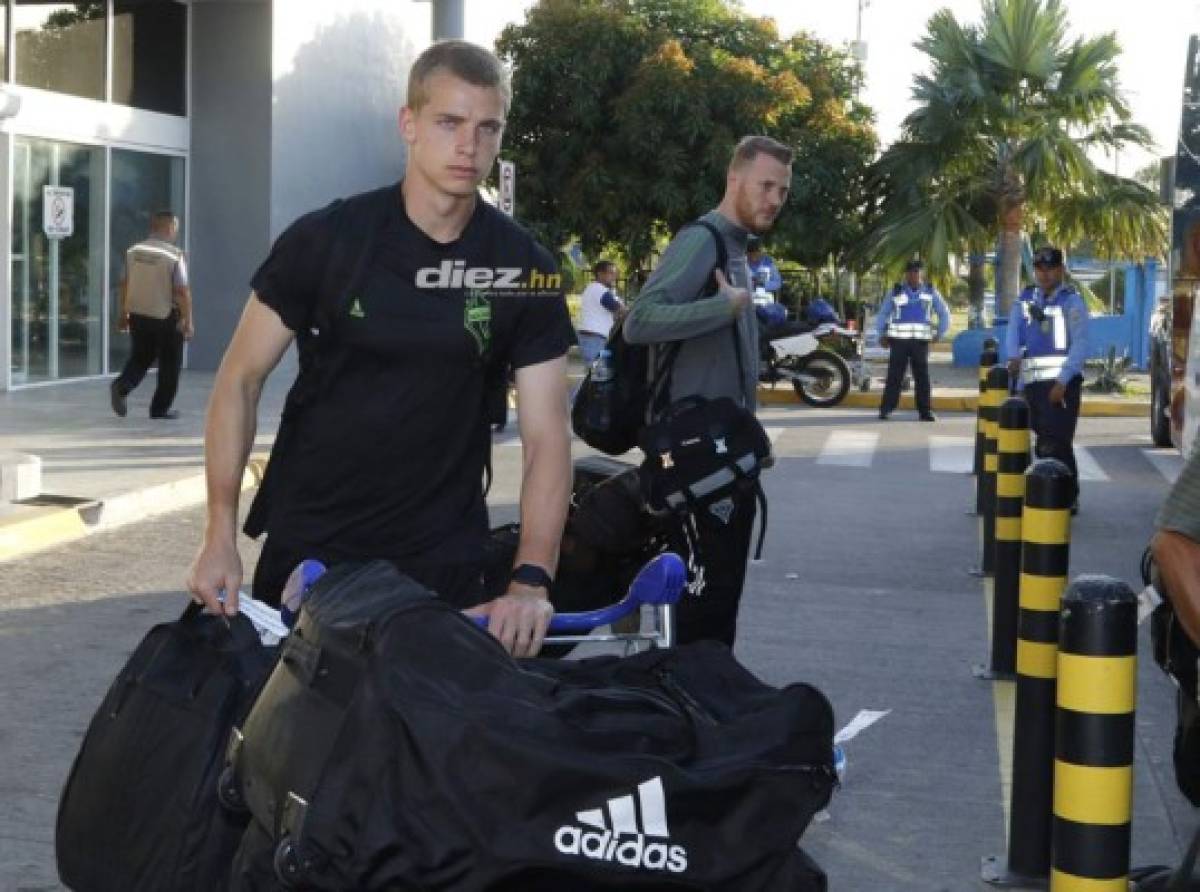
{"points": [[139, 812], [397, 746]]}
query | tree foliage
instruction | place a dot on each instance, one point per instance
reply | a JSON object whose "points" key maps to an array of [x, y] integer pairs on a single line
{"points": [[625, 114], [999, 142]]}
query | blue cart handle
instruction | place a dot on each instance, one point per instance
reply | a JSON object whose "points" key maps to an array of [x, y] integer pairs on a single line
{"points": [[660, 581]]}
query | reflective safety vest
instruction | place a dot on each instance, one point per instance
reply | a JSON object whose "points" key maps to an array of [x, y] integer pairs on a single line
{"points": [[910, 318], [1048, 340], [150, 270]]}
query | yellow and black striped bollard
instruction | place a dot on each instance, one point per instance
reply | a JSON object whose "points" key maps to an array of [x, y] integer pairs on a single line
{"points": [[1012, 458], [997, 389], [1094, 736], [988, 358], [1045, 557]]}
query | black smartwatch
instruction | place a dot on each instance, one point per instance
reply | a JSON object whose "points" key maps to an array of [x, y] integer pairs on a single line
{"points": [[531, 575]]}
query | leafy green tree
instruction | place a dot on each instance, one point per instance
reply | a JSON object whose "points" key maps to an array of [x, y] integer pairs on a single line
{"points": [[625, 114], [998, 146]]}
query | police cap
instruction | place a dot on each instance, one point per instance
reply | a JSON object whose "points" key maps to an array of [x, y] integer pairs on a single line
{"points": [[1048, 255]]}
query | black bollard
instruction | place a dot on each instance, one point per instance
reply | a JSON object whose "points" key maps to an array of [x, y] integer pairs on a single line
{"points": [[1094, 735], [997, 390], [1045, 534]]}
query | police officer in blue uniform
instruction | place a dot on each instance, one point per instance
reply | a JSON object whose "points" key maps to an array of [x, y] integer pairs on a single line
{"points": [[904, 324], [1046, 345]]}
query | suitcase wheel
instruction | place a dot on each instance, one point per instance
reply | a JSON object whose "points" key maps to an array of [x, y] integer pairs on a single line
{"points": [[229, 792], [287, 863]]}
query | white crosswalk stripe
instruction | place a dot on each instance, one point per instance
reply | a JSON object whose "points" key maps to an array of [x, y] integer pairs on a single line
{"points": [[956, 455], [1167, 462], [773, 434], [951, 455], [1089, 468], [849, 449]]}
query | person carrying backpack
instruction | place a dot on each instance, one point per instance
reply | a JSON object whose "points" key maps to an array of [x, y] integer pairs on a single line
{"points": [[409, 304], [711, 343]]}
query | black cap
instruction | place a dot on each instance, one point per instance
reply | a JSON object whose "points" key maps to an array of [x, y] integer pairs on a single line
{"points": [[1048, 255], [913, 264], [754, 243]]}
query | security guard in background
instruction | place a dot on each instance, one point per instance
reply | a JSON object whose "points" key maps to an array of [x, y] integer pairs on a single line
{"points": [[904, 325], [1047, 344], [156, 310]]}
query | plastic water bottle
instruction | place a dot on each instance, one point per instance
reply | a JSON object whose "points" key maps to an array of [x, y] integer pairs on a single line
{"points": [[600, 408]]}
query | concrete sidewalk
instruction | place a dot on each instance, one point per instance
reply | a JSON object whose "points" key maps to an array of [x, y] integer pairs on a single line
{"points": [[956, 389], [100, 471]]}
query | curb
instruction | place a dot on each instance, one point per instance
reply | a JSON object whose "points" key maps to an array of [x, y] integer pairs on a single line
{"points": [[1093, 408], [32, 529]]}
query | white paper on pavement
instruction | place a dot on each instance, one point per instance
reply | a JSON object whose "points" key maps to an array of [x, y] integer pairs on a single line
{"points": [[1148, 599], [265, 618], [865, 719]]}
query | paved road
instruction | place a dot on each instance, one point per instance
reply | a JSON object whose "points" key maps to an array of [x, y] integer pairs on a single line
{"points": [[863, 591]]}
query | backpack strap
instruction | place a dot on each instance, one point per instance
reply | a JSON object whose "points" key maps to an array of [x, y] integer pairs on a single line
{"points": [[723, 266], [357, 222]]}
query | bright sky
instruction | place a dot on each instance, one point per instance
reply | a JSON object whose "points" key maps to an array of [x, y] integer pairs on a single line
{"points": [[1153, 35]]}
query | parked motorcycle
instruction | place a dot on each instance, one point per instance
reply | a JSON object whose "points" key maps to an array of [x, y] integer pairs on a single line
{"points": [[796, 351]]}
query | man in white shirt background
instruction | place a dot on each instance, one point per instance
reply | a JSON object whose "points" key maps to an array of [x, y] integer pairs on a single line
{"points": [[599, 309]]}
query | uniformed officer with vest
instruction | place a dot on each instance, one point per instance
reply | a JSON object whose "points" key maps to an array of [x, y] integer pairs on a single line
{"points": [[156, 310], [905, 326], [1046, 345]]}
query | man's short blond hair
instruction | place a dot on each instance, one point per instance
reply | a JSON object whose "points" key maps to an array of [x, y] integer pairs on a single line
{"points": [[466, 61], [750, 147]]}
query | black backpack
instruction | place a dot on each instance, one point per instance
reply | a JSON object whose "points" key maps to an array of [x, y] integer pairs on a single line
{"points": [[139, 812], [634, 384], [398, 746]]}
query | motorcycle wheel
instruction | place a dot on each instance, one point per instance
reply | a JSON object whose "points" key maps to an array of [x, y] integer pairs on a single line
{"points": [[832, 379]]}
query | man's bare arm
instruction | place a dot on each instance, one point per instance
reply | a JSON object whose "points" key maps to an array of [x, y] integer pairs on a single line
{"points": [[1178, 560], [520, 617], [183, 300], [257, 346]]}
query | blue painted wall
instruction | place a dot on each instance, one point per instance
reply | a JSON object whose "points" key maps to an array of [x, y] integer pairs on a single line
{"points": [[1129, 332]]}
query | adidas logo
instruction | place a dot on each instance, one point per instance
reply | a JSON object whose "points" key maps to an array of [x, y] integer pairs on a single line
{"points": [[356, 310], [631, 834]]}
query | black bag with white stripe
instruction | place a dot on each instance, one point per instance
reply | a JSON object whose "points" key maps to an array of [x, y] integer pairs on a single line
{"points": [[397, 746], [700, 453]]}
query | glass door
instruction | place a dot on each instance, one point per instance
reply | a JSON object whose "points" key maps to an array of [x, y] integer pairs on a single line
{"points": [[57, 278]]}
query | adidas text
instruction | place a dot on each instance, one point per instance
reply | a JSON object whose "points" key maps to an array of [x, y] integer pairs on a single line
{"points": [[632, 835], [631, 850]]}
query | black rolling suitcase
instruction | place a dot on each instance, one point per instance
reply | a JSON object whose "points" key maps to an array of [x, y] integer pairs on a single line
{"points": [[397, 746], [139, 812]]}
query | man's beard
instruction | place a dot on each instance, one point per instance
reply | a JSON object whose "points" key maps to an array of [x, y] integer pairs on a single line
{"points": [[745, 211]]}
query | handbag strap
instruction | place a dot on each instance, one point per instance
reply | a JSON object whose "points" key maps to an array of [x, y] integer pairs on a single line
{"points": [[734, 330]]}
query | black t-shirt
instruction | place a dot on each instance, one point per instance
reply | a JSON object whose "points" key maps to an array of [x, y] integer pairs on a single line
{"points": [[387, 462]]}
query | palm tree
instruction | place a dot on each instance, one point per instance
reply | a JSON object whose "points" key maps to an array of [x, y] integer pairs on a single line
{"points": [[999, 142]]}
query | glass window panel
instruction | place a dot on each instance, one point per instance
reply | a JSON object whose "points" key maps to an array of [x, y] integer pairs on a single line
{"points": [[150, 54], [57, 291], [60, 46], [142, 183]]}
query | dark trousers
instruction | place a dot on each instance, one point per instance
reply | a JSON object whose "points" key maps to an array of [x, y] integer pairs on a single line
{"points": [[724, 547], [154, 340], [903, 352], [1054, 425], [459, 584]]}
